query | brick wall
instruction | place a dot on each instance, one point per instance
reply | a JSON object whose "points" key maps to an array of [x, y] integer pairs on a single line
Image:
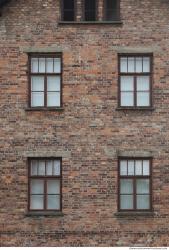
{"points": [[89, 134]]}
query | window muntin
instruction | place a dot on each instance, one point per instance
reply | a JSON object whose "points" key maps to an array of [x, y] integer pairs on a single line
{"points": [[135, 184], [45, 184], [135, 81], [45, 81], [90, 10], [68, 10], [112, 10]]}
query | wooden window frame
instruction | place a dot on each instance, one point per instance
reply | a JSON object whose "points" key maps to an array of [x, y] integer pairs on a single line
{"points": [[30, 74], [62, 11], [83, 11], [105, 11], [134, 74], [134, 178], [45, 178]]}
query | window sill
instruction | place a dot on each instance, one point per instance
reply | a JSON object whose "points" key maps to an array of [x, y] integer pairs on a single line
{"points": [[135, 213], [47, 213], [135, 109], [89, 22], [44, 109]]}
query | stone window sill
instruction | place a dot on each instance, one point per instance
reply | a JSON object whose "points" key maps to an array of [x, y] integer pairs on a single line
{"points": [[135, 214], [136, 109], [44, 109], [89, 22], [47, 213]]}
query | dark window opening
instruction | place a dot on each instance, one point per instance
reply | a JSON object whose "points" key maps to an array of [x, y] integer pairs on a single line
{"points": [[111, 10], [90, 10], [68, 10]]}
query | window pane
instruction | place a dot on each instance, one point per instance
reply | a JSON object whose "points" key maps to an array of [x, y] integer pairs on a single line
{"points": [[146, 64], [36, 202], [142, 186], [138, 167], [143, 83], [126, 186], [131, 64], [68, 15], [146, 167], [143, 202], [37, 83], [127, 99], [127, 83], [126, 201], [37, 187], [34, 65], [42, 65], [123, 167], [53, 99], [37, 99], [56, 167], [68, 4], [53, 202], [53, 186], [123, 64], [53, 83], [130, 167], [139, 64], [57, 65], [49, 65], [34, 167], [49, 167], [111, 10], [143, 99], [41, 168]]}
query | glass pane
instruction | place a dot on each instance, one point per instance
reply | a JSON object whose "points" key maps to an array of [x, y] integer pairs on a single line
{"points": [[143, 202], [146, 64], [49, 167], [127, 99], [123, 167], [142, 186], [37, 99], [143, 99], [126, 186], [34, 65], [68, 4], [138, 167], [143, 83], [41, 168], [131, 64], [139, 64], [37, 83], [34, 167], [57, 167], [53, 186], [37, 187], [126, 201], [53, 202], [123, 64], [53, 99], [146, 167], [49, 65], [127, 83], [36, 202], [42, 65], [130, 167], [53, 83], [57, 65]]}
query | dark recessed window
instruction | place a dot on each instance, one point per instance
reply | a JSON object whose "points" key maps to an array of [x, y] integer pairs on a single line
{"points": [[135, 184], [68, 10], [135, 81], [45, 185], [111, 10], [90, 10], [45, 81]]}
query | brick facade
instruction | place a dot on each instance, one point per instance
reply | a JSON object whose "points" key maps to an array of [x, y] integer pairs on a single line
{"points": [[89, 133]]}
